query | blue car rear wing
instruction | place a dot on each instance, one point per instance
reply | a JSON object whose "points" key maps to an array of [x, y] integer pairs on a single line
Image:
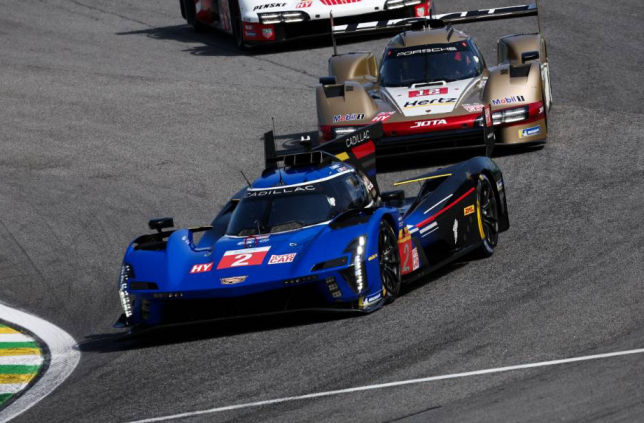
{"points": [[357, 149]]}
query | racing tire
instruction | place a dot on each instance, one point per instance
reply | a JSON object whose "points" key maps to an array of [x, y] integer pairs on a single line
{"points": [[389, 259], [183, 9], [191, 16], [488, 217], [238, 27]]}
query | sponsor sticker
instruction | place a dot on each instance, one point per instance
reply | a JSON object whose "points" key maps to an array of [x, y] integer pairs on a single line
{"points": [[268, 6], [508, 100], [373, 257], [339, 167], [416, 258], [425, 51], [246, 257], [424, 123], [434, 101], [358, 138], [267, 32], [283, 258], [303, 4], [367, 301], [473, 108], [201, 268], [278, 191], [253, 240], [530, 132], [468, 210], [233, 280], [348, 117], [382, 116], [499, 184], [428, 91]]}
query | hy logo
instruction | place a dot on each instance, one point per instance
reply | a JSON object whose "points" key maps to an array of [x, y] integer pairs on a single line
{"points": [[201, 268]]}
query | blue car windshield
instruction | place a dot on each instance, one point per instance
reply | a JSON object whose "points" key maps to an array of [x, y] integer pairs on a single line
{"points": [[287, 208], [403, 67]]}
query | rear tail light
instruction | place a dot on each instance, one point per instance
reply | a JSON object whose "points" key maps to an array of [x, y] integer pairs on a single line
{"points": [[509, 116], [277, 17], [270, 18]]}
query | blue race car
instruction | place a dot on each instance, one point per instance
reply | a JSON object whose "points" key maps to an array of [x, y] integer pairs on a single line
{"points": [[313, 232]]}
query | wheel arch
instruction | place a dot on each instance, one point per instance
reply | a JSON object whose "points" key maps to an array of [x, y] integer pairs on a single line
{"points": [[504, 221], [387, 217]]}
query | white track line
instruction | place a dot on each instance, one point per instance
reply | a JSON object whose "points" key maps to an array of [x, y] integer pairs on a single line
{"points": [[14, 337], [62, 362], [21, 360], [392, 384], [11, 388]]}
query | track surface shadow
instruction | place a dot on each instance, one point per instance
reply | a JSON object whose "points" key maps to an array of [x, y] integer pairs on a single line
{"points": [[190, 332], [217, 43]]}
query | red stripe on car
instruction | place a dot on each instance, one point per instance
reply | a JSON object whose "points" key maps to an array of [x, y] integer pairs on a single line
{"points": [[431, 218], [364, 149]]}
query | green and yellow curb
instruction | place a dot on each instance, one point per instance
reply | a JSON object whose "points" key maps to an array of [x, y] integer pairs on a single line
{"points": [[21, 360]]}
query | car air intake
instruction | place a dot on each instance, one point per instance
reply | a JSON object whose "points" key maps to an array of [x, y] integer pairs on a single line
{"points": [[140, 286], [303, 159]]}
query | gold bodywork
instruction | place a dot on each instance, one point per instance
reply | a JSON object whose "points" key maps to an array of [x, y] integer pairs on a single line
{"points": [[512, 83]]}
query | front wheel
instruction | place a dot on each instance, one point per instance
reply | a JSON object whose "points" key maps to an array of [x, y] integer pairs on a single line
{"points": [[488, 216], [238, 26], [389, 258]]}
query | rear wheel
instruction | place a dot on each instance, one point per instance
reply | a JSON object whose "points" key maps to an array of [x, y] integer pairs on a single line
{"points": [[238, 26], [389, 258], [488, 216], [191, 15]]}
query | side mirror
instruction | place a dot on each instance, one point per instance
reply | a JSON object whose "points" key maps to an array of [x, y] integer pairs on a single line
{"points": [[328, 80], [529, 55], [396, 198], [158, 224]]}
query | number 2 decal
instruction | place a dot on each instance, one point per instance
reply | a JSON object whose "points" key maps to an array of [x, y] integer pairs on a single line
{"points": [[245, 257], [241, 260], [406, 257], [407, 263]]}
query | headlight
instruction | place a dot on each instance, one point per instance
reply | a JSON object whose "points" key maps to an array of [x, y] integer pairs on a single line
{"points": [[343, 130], [355, 275], [127, 300], [509, 115], [277, 17]]}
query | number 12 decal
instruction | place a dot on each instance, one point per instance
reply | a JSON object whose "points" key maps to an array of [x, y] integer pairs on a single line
{"points": [[245, 257]]}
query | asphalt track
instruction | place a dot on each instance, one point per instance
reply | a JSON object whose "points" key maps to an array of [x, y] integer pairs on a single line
{"points": [[115, 112]]}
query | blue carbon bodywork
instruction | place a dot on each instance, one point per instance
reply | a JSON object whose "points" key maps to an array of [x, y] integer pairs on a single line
{"points": [[171, 267]]}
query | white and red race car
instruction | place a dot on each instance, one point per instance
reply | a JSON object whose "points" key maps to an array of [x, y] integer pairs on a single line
{"points": [[257, 22]]}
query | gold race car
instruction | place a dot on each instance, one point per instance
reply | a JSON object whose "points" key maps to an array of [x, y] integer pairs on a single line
{"points": [[432, 89]]}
